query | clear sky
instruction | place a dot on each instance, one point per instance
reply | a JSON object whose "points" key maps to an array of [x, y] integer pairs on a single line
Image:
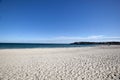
{"points": [[59, 21]]}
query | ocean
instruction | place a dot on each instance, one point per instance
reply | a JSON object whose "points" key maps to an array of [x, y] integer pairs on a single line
{"points": [[37, 45]]}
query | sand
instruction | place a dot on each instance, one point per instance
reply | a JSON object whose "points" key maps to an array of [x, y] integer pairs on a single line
{"points": [[86, 63]]}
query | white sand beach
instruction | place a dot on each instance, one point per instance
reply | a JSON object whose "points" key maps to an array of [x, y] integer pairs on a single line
{"points": [[84, 63]]}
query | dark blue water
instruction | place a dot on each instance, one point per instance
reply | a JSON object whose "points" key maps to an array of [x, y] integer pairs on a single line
{"points": [[36, 45]]}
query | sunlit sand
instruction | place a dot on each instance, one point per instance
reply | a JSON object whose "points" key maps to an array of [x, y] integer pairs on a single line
{"points": [[85, 63]]}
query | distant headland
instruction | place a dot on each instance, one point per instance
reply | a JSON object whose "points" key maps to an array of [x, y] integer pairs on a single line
{"points": [[104, 43]]}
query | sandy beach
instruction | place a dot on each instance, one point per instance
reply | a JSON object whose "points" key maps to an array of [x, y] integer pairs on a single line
{"points": [[84, 63]]}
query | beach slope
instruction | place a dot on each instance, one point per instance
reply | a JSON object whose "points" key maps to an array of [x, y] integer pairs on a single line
{"points": [[84, 63]]}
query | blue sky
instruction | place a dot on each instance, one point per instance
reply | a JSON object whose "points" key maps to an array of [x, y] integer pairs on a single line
{"points": [[59, 21]]}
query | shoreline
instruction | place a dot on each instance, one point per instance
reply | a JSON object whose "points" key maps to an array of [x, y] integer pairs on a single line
{"points": [[60, 47]]}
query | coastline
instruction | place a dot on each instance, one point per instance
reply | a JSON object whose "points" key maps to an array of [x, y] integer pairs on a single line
{"points": [[76, 63], [33, 45]]}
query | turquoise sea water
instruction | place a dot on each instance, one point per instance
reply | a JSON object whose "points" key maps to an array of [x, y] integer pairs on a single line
{"points": [[37, 45]]}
